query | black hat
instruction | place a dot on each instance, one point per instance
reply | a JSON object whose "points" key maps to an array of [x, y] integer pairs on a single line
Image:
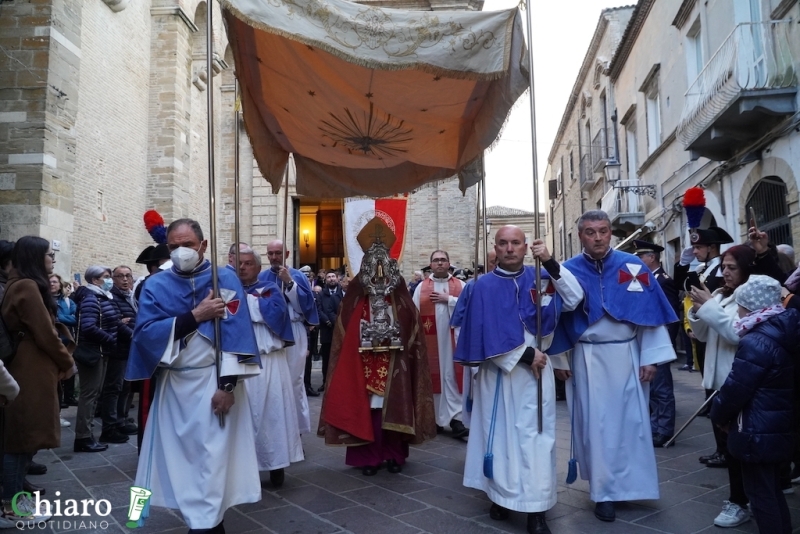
{"points": [[153, 254], [426, 269], [643, 247], [145, 256], [713, 235]]}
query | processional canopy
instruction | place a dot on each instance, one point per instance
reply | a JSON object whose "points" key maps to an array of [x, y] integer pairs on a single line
{"points": [[373, 101]]}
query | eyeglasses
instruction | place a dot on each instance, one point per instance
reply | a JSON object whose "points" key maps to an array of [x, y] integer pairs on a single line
{"points": [[125, 276], [51, 254]]}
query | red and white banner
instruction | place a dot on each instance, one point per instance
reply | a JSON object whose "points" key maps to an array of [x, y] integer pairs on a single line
{"points": [[359, 211]]}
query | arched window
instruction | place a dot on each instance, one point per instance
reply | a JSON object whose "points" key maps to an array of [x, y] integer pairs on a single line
{"points": [[768, 200]]}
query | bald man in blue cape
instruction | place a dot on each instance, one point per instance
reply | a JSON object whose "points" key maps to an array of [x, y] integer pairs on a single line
{"points": [[187, 460]]}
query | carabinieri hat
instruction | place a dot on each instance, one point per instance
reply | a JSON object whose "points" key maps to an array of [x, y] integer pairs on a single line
{"points": [[643, 247], [713, 235]]}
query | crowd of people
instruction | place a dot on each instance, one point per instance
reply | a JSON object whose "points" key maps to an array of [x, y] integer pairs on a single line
{"points": [[479, 356]]}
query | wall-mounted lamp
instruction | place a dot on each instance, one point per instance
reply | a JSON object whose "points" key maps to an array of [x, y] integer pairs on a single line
{"points": [[305, 238]]}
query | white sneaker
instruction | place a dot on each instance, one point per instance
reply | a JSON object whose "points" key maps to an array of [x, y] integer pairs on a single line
{"points": [[27, 513], [732, 515], [65, 423]]}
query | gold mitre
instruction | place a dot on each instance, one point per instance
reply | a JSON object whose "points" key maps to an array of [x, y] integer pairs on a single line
{"points": [[376, 231]]}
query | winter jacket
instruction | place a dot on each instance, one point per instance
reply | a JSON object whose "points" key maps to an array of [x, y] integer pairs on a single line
{"points": [[67, 312], [757, 399], [124, 331], [713, 324], [328, 309], [98, 320], [31, 421]]}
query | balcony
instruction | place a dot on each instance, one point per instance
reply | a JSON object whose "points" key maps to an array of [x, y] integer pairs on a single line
{"points": [[625, 206], [601, 152], [747, 88], [587, 174]]}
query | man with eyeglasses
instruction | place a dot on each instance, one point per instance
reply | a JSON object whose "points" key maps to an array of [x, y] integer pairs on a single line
{"points": [[114, 396], [436, 298]]}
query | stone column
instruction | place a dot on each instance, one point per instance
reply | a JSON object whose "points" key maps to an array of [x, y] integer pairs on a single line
{"points": [[39, 70]]}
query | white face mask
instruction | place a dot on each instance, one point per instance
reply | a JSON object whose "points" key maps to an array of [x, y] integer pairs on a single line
{"points": [[184, 259]]}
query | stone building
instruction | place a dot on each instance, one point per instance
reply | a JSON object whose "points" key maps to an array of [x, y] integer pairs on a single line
{"points": [[499, 216], [703, 93], [103, 115]]}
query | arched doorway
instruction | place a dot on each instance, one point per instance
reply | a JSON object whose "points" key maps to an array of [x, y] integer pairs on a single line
{"points": [[769, 200]]}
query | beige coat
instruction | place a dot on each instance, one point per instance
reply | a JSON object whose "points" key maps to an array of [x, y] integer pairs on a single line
{"points": [[713, 324], [31, 421]]}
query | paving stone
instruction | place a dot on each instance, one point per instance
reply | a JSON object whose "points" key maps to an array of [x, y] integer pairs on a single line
{"points": [[385, 501], [706, 477], [268, 501], [159, 520], [293, 520], [118, 494], [77, 460], [317, 500], [585, 521], [93, 476], [363, 520], [682, 519], [440, 522], [452, 501], [448, 480], [332, 480], [450, 464], [398, 482]]}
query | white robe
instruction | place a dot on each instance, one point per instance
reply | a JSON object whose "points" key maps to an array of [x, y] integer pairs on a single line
{"points": [[296, 357], [186, 459], [271, 398], [611, 418], [448, 403], [524, 465]]}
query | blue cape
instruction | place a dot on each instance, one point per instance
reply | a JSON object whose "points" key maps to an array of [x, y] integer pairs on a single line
{"points": [[609, 293], [304, 293], [273, 309], [460, 311], [491, 326], [173, 293]]}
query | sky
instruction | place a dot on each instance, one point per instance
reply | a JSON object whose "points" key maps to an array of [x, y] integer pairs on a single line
{"points": [[562, 31]]}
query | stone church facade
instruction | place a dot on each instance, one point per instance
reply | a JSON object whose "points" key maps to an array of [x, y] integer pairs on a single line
{"points": [[103, 115]]}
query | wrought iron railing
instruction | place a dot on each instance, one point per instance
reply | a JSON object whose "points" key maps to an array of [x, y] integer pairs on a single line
{"points": [[756, 55], [624, 197]]}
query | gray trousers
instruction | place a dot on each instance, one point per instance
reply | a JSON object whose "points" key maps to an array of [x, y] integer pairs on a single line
{"points": [[91, 380]]}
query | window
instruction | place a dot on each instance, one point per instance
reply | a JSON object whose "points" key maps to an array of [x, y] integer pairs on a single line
{"points": [[630, 150], [652, 108], [560, 182], [569, 244], [571, 165], [694, 51]]}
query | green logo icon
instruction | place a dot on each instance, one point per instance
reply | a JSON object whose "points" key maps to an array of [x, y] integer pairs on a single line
{"points": [[139, 497]]}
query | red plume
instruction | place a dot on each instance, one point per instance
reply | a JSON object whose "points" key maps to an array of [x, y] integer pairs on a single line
{"points": [[154, 224], [694, 202]]}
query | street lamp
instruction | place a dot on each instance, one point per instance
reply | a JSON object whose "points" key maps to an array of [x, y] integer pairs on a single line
{"points": [[612, 170]]}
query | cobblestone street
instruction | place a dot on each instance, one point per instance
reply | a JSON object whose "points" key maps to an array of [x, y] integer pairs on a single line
{"points": [[322, 495]]}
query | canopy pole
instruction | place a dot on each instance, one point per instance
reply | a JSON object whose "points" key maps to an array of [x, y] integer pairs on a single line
{"points": [[485, 226], [212, 192], [477, 227], [536, 235], [285, 209], [236, 228]]}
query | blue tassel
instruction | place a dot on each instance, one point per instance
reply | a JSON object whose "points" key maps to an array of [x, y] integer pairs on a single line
{"points": [[572, 471], [488, 465], [469, 404]]}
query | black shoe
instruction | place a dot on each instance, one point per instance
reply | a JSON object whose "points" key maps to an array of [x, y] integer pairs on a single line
{"points": [[439, 429], [369, 470], [36, 469], [704, 459], [113, 436], [88, 445], [718, 460], [499, 513], [660, 439], [458, 428], [32, 488], [604, 511], [393, 467], [537, 524], [276, 477], [129, 429], [321, 388], [311, 392], [705, 411]]}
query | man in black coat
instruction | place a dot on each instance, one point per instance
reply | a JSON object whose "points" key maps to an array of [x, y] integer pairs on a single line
{"points": [[328, 301], [662, 396]]}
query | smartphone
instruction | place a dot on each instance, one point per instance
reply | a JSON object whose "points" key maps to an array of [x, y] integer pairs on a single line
{"points": [[693, 279], [753, 219], [77, 278]]}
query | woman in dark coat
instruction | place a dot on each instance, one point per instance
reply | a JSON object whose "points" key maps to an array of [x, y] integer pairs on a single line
{"points": [[41, 360], [755, 403]]}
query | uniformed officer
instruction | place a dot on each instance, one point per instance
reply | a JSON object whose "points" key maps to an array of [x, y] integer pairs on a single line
{"points": [[662, 396]]}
